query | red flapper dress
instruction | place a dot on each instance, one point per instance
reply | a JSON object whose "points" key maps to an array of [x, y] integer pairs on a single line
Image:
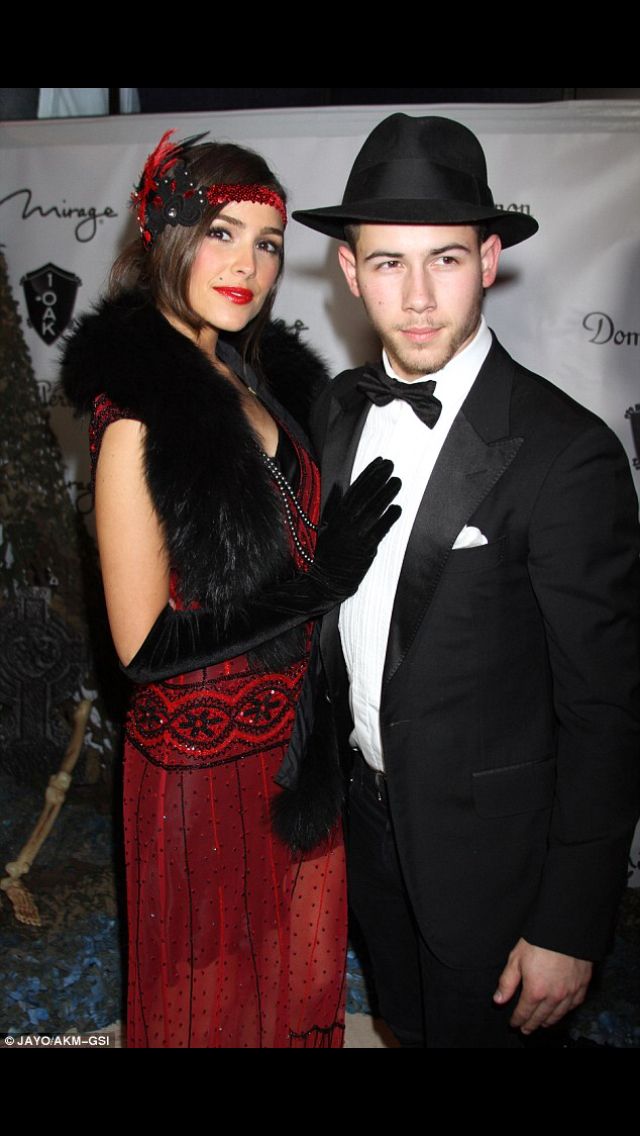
{"points": [[234, 942]]}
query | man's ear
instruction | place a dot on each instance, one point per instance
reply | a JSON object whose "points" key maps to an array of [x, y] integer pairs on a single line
{"points": [[347, 263], [489, 258]]}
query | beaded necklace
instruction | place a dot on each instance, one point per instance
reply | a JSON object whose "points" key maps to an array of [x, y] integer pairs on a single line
{"points": [[288, 496]]}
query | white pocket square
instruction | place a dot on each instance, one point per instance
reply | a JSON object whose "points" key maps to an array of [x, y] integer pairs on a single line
{"points": [[469, 537]]}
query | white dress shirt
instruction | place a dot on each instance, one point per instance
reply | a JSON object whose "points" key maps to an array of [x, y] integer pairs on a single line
{"points": [[395, 431]]}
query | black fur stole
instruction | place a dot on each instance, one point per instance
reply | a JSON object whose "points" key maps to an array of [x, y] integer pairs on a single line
{"points": [[223, 522]]}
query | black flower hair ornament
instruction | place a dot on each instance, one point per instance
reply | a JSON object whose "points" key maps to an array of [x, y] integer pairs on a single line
{"points": [[165, 194]]}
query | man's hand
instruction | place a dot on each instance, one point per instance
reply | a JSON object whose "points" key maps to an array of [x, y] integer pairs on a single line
{"points": [[552, 984]]}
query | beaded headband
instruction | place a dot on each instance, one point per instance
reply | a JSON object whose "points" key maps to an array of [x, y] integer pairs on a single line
{"points": [[261, 194], [166, 195]]}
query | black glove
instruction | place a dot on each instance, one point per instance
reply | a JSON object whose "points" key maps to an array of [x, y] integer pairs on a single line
{"points": [[353, 526]]}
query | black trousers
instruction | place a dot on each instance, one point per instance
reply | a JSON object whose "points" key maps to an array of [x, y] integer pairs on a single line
{"points": [[426, 1004]]}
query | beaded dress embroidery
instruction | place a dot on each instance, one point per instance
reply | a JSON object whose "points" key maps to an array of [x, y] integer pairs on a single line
{"points": [[233, 941]]}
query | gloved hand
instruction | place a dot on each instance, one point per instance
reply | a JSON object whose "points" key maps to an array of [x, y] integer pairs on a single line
{"points": [[353, 525]]}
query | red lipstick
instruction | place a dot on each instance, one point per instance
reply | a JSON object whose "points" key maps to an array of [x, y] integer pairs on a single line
{"points": [[236, 295]]}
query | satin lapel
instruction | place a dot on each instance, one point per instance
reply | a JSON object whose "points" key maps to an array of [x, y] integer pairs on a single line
{"points": [[345, 423], [467, 469]]}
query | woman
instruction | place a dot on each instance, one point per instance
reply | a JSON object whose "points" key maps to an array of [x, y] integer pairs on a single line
{"points": [[207, 502]]}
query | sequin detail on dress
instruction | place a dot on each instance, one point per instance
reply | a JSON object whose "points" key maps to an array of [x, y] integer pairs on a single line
{"points": [[211, 716]]}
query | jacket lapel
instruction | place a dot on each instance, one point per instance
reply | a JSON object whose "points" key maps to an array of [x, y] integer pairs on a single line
{"points": [[344, 425], [474, 456], [345, 422]]}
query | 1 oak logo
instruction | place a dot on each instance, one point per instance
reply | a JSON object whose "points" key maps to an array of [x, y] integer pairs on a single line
{"points": [[50, 295]]}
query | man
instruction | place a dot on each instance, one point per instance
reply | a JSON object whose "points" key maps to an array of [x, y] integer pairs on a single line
{"points": [[486, 672]]}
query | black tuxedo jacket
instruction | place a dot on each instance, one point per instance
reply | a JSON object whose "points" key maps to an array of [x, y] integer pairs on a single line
{"points": [[510, 713]]}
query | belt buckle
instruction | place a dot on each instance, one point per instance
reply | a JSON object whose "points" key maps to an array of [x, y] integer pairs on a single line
{"points": [[380, 783]]}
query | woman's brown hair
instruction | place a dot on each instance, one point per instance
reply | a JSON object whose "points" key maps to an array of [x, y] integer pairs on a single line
{"points": [[163, 270]]}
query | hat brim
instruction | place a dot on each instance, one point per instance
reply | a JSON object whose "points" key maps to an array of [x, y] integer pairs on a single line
{"points": [[510, 227]]}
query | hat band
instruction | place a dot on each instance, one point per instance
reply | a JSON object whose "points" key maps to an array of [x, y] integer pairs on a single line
{"points": [[406, 179]]}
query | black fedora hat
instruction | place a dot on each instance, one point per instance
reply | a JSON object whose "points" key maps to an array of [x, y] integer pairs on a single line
{"points": [[419, 171]]}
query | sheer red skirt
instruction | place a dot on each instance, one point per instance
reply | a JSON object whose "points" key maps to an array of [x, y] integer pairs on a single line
{"points": [[233, 942]]}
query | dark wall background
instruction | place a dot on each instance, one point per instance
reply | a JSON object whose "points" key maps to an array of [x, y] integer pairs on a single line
{"points": [[159, 99], [22, 102]]}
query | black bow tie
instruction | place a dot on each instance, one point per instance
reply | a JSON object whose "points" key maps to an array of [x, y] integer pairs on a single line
{"points": [[381, 389]]}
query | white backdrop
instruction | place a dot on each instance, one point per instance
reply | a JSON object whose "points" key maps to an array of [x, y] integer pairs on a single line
{"points": [[566, 302]]}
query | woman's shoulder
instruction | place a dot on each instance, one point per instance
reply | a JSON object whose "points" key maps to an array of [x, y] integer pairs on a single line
{"points": [[104, 412]]}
